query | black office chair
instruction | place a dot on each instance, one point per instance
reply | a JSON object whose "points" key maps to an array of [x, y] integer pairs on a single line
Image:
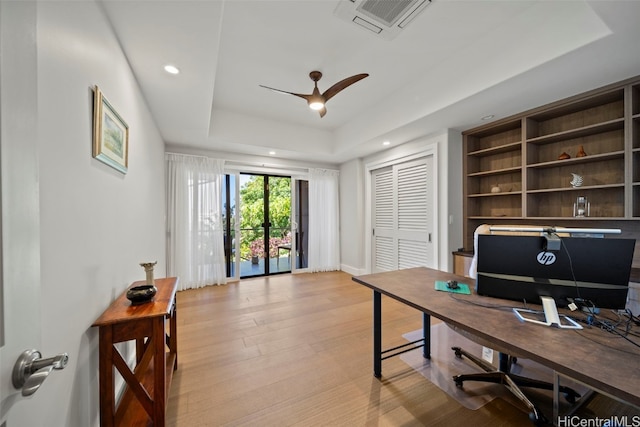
{"points": [[503, 374]]}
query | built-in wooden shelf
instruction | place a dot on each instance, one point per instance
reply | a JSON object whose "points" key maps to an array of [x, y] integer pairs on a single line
{"points": [[496, 150], [504, 193], [578, 160], [520, 155], [579, 132]]}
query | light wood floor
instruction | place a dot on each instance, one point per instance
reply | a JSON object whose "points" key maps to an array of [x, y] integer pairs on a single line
{"points": [[297, 350]]}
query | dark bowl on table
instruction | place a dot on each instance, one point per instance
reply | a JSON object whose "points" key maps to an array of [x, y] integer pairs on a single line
{"points": [[141, 294]]}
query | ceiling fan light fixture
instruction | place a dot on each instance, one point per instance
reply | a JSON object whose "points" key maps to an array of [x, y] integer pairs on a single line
{"points": [[316, 105], [317, 100]]}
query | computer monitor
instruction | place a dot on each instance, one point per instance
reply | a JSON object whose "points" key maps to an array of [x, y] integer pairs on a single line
{"points": [[591, 271]]}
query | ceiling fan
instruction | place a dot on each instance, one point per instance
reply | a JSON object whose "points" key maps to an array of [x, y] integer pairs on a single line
{"points": [[316, 100]]}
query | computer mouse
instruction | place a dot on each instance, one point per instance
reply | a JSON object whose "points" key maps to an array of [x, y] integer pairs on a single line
{"points": [[452, 284]]}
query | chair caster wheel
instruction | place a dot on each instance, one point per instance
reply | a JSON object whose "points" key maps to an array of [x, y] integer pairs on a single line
{"points": [[458, 381], [570, 398], [457, 351], [537, 418]]}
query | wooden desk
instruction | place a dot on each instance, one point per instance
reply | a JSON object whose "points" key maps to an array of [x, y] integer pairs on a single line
{"points": [[596, 358], [144, 400]]}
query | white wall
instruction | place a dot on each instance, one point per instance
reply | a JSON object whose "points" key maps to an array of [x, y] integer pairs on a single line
{"points": [[352, 219], [352, 188], [96, 224], [453, 166]]}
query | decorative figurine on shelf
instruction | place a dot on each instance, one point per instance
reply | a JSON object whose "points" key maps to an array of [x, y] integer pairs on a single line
{"points": [[581, 152], [496, 189], [148, 268], [564, 156], [576, 181], [581, 207]]}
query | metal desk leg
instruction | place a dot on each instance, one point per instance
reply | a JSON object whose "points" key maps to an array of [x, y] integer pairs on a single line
{"points": [[426, 333], [377, 334]]}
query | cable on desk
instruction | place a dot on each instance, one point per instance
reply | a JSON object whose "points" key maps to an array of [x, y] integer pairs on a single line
{"points": [[592, 320]]}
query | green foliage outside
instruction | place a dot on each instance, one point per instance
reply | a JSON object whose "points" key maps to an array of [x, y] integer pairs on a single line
{"points": [[252, 215]]}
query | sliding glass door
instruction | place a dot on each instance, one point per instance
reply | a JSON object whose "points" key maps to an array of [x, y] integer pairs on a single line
{"points": [[263, 233], [265, 224]]}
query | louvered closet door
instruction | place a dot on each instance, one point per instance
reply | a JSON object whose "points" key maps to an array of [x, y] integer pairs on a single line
{"points": [[385, 257], [403, 215]]}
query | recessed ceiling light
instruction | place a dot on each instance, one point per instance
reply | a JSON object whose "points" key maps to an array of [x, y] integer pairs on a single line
{"points": [[489, 117], [273, 153], [171, 69], [386, 143]]}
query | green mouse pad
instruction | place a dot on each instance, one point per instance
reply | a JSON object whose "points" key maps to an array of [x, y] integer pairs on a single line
{"points": [[463, 288]]}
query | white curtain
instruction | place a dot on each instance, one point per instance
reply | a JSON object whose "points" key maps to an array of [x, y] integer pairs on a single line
{"points": [[195, 246], [324, 220]]}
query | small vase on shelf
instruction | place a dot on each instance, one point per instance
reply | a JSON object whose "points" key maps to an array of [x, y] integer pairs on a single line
{"points": [[576, 181], [581, 152]]}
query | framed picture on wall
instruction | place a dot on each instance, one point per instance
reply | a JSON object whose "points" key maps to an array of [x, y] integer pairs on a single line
{"points": [[110, 134]]}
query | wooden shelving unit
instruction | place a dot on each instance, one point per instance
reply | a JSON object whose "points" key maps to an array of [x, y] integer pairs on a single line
{"points": [[144, 400], [519, 159]]}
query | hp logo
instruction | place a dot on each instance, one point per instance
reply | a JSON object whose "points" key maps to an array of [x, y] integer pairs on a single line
{"points": [[546, 258]]}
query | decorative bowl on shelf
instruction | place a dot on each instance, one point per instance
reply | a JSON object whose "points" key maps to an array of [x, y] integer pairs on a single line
{"points": [[141, 294]]}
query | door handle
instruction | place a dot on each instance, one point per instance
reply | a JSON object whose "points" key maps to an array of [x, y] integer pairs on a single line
{"points": [[31, 370]]}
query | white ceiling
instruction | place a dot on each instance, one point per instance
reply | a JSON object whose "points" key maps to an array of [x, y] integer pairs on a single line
{"points": [[455, 63]]}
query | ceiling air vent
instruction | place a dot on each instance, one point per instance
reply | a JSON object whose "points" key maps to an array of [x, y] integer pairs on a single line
{"points": [[387, 18]]}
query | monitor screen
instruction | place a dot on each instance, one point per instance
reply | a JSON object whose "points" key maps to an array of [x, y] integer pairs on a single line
{"points": [[594, 270]]}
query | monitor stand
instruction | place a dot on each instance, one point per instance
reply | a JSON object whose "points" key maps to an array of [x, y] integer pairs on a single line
{"points": [[552, 318]]}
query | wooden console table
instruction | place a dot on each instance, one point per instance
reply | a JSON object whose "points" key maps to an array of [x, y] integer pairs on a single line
{"points": [[144, 400]]}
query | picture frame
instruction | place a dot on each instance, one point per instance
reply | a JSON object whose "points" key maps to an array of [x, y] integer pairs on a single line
{"points": [[110, 134]]}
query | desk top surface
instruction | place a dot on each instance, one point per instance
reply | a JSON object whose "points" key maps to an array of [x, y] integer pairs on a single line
{"points": [[121, 310], [593, 356]]}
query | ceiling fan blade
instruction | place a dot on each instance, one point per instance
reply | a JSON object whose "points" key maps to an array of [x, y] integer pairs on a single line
{"points": [[300, 95], [322, 112], [342, 84]]}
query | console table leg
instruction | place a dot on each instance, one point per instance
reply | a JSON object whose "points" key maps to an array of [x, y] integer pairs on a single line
{"points": [[107, 400], [159, 368], [173, 339], [377, 334]]}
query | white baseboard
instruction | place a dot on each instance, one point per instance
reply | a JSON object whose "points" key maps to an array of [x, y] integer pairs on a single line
{"points": [[352, 270]]}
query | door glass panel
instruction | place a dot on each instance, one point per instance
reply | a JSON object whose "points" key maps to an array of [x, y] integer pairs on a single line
{"points": [[265, 225], [252, 245], [229, 224], [280, 224]]}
